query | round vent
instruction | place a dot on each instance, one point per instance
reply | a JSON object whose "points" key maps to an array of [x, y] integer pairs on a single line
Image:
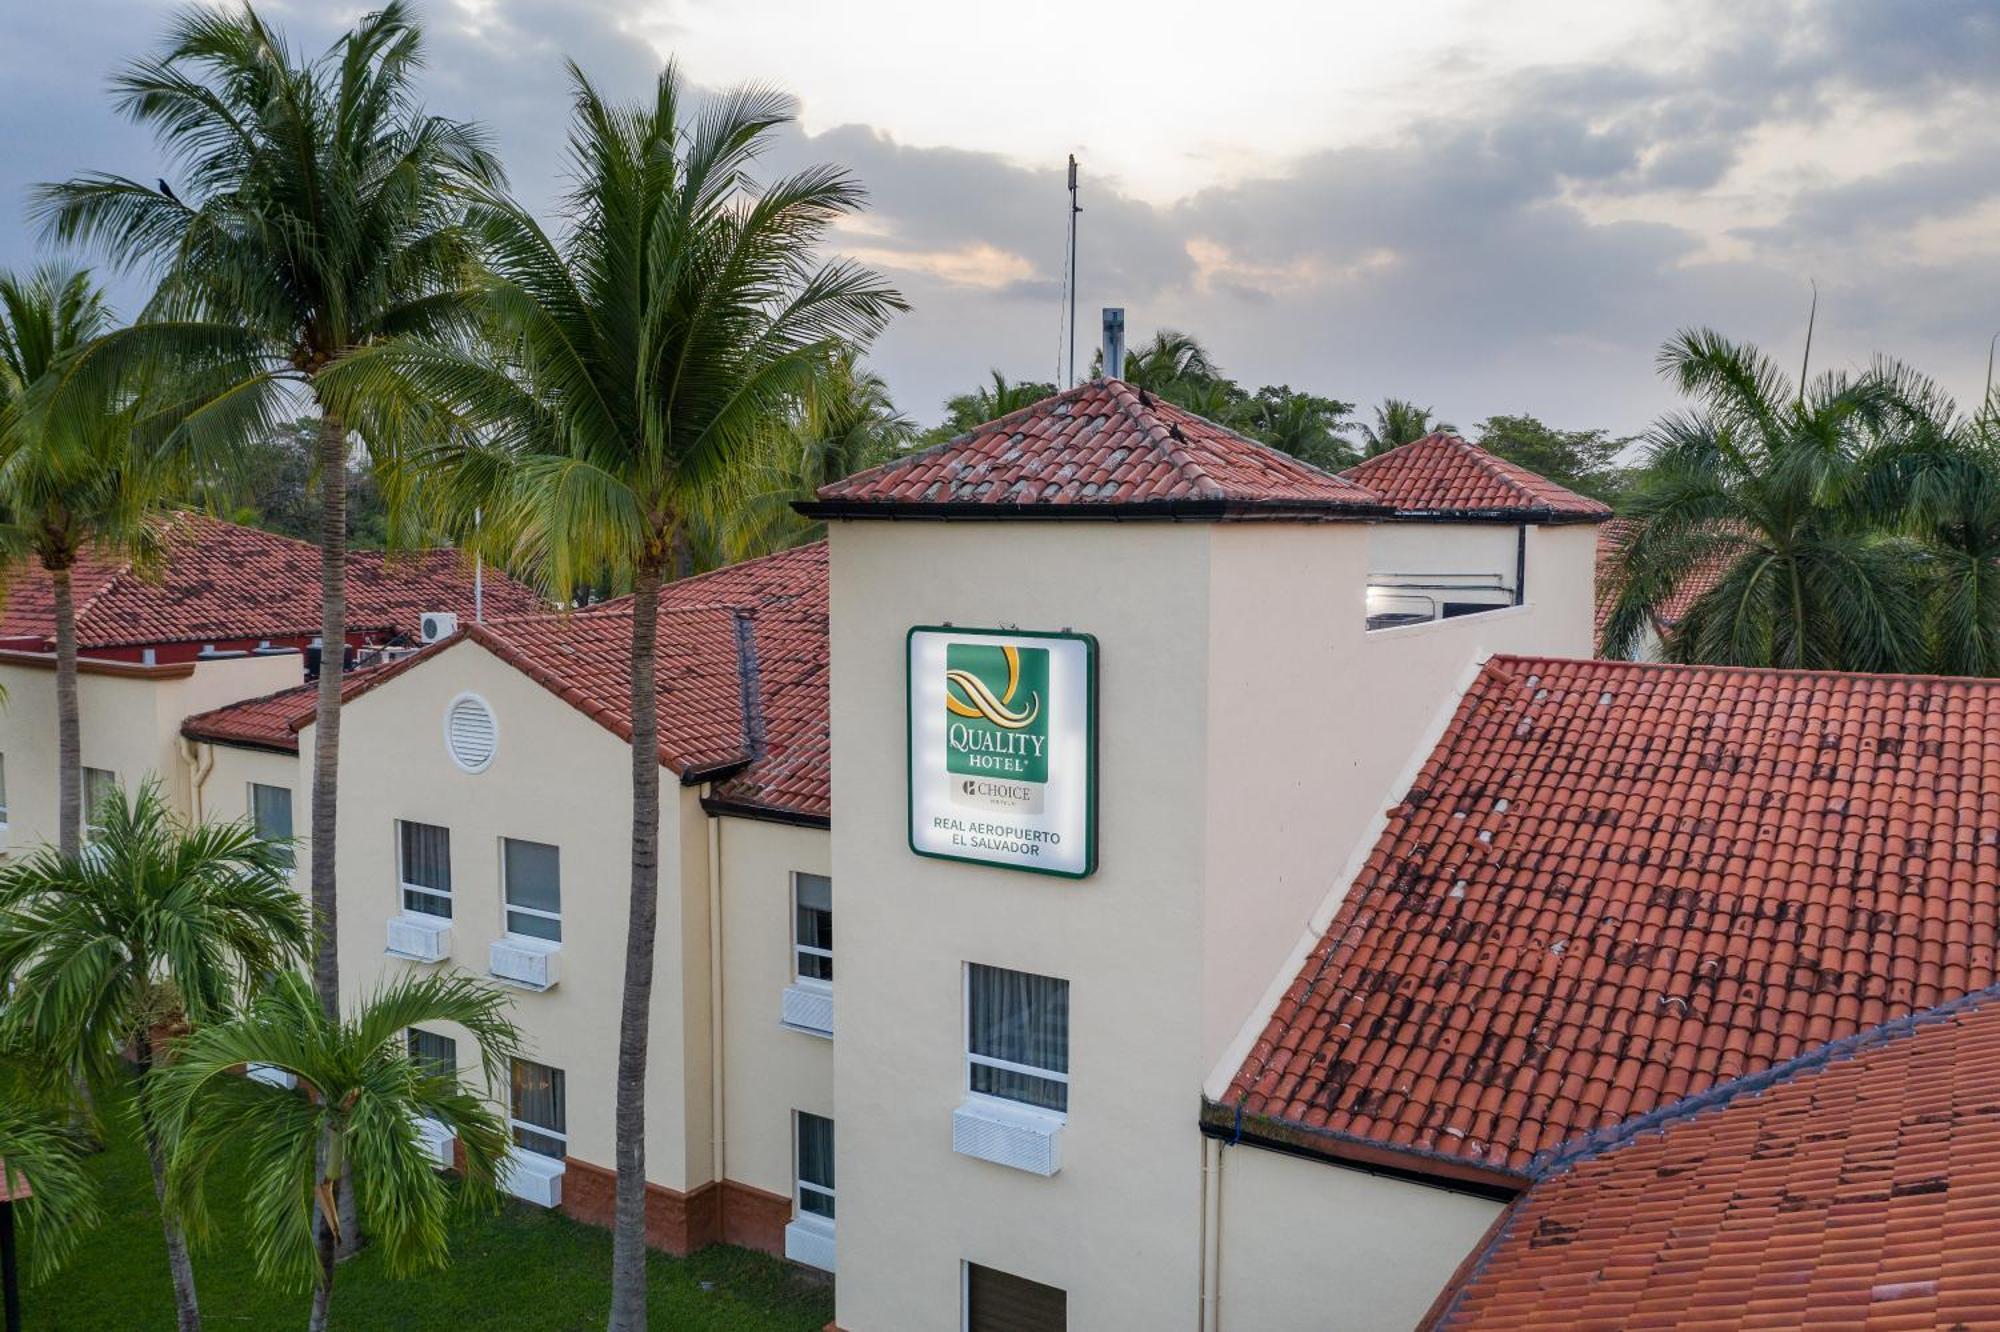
{"points": [[470, 733]]}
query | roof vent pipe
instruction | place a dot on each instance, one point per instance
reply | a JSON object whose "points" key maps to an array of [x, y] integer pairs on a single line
{"points": [[1114, 342]]}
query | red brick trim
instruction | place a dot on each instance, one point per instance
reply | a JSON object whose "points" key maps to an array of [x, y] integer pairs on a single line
{"points": [[679, 1223]]}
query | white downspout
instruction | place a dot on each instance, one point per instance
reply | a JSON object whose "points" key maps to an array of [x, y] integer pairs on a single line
{"points": [[719, 1161], [1210, 1314], [201, 761]]}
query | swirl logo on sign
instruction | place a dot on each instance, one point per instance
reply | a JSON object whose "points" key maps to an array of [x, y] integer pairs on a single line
{"points": [[966, 695]]}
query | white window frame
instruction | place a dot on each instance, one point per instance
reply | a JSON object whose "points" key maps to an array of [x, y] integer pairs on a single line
{"points": [[801, 1185], [403, 885], [508, 908], [1006, 1066], [803, 950], [537, 1129], [965, 1266], [291, 842], [3, 795], [92, 830]]}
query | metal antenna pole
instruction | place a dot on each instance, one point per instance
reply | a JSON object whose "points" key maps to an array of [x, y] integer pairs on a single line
{"points": [[1074, 209], [1986, 403], [1811, 317]]}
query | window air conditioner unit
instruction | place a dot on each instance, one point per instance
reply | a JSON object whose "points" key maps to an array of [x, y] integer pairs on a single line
{"points": [[533, 1178], [523, 962], [1024, 1138], [809, 1240], [420, 938], [270, 1076], [438, 1142], [436, 625]]}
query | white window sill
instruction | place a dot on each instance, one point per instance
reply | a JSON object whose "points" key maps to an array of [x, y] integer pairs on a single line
{"points": [[533, 1178], [1021, 1137], [809, 1240], [416, 938], [525, 963], [808, 1007]]}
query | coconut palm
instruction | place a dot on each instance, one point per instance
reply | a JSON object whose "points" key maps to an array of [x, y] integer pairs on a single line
{"points": [[154, 926], [69, 480], [1172, 359], [39, 1150], [319, 210], [1766, 488], [1399, 422], [1308, 427], [988, 402], [631, 368], [844, 422], [356, 1087]]}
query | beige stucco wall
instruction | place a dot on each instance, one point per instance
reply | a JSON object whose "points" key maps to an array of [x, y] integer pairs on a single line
{"points": [[1118, 1226], [1311, 1247], [1443, 548], [769, 1070], [129, 723], [560, 778]]}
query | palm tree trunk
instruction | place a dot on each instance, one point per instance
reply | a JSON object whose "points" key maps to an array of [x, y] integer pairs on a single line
{"points": [[628, 1237], [326, 749], [69, 740], [186, 1310], [323, 1292]]}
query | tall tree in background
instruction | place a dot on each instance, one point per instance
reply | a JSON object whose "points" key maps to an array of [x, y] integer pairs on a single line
{"points": [[1767, 487], [319, 210], [1586, 461], [1399, 422], [1310, 428], [988, 402], [272, 482], [38, 1149], [1172, 359], [69, 478], [358, 1086], [844, 423], [156, 925], [635, 364]]}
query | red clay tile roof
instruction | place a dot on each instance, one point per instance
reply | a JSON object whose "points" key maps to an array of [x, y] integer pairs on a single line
{"points": [[1860, 1187], [1445, 476], [264, 722], [1614, 884], [1611, 539], [220, 580], [781, 601], [1095, 449]]}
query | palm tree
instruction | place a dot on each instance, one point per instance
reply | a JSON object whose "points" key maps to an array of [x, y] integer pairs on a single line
{"points": [[154, 926], [319, 211], [988, 402], [68, 480], [1172, 359], [631, 369], [844, 422], [1399, 422], [1310, 428], [356, 1087], [37, 1149], [1766, 489]]}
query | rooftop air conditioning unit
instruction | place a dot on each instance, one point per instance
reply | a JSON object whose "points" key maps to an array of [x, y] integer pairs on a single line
{"points": [[533, 1178], [420, 938], [439, 1142], [528, 962], [270, 1075], [437, 625]]}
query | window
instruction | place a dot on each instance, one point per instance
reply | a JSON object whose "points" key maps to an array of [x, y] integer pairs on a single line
{"points": [[437, 1055], [425, 856], [100, 786], [1017, 1036], [538, 1117], [815, 1165], [3, 790], [533, 889], [271, 815], [997, 1301], [812, 928]]}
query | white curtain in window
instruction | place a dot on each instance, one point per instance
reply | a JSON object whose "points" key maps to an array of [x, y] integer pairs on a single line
{"points": [[815, 925], [438, 1054], [534, 889], [426, 853], [271, 814], [1021, 1019], [816, 1165], [538, 1104]]}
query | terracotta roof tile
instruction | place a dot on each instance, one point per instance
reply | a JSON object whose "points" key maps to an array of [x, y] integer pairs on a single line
{"points": [[1101, 446], [1613, 884], [1611, 539], [780, 601], [221, 580], [1859, 1184], [1443, 475]]}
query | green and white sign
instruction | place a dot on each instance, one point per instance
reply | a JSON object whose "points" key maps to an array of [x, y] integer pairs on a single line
{"points": [[1003, 748]]}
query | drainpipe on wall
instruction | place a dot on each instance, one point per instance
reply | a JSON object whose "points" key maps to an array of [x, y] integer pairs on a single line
{"points": [[719, 1160], [200, 759], [1520, 564], [1210, 1316]]}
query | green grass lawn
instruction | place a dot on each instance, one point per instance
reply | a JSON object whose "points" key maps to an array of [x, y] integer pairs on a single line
{"points": [[524, 1269]]}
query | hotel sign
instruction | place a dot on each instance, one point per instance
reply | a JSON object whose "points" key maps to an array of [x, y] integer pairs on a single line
{"points": [[1003, 748]]}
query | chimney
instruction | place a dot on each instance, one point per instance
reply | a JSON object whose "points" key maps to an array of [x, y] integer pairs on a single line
{"points": [[1114, 342]]}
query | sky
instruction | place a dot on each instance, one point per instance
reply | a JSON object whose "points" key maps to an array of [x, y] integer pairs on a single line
{"points": [[1483, 206]]}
